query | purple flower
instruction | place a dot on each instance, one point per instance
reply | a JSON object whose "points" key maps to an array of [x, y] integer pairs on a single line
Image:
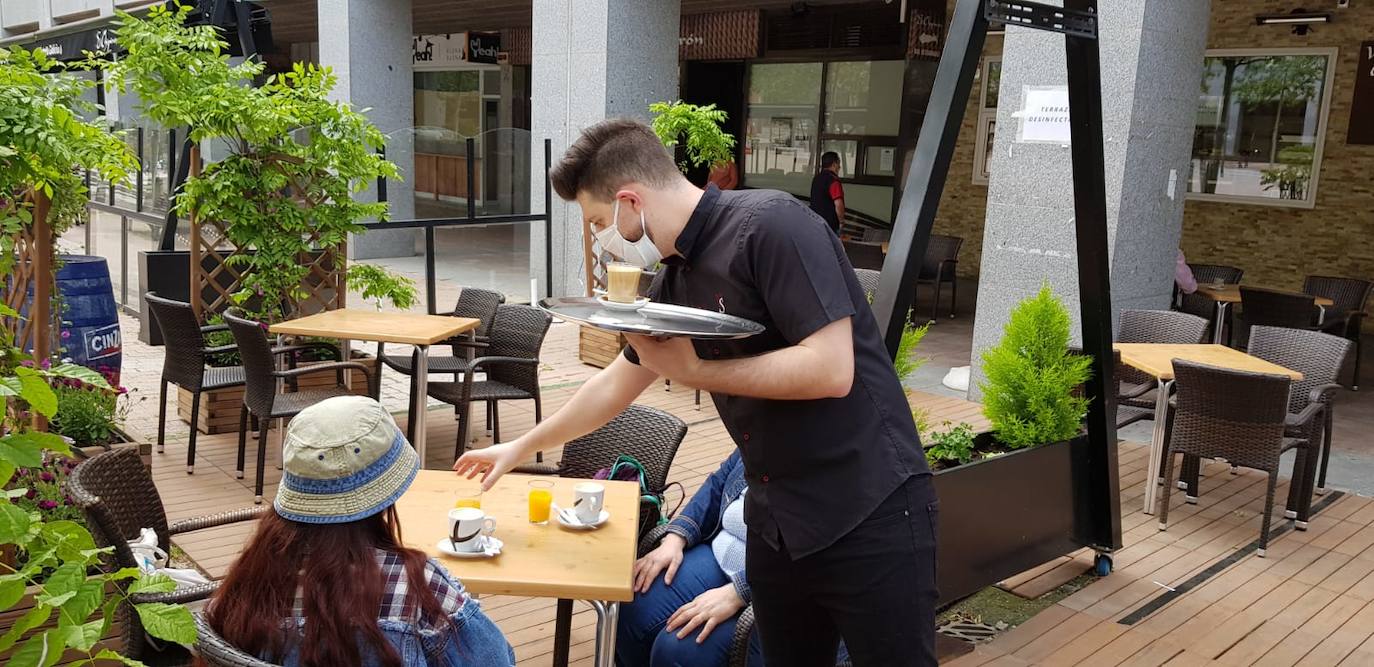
{"points": [[66, 334], [47, 505], [46, 476], [30, 494]]}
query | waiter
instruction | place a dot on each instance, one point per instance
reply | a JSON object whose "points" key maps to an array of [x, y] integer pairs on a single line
{"points": [[841, 510]]}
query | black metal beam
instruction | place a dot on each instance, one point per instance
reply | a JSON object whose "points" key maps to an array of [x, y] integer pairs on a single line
{"points": [[929, 168], [1103, 528], [1068, 19]]}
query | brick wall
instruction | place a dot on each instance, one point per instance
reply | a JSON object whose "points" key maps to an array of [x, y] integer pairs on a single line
{"points": [[1275, 246]]}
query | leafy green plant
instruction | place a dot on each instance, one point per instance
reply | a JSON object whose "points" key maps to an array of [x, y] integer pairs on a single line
{"points": [[294, 162], [907, 362], [952, 446], [1031, 377], [89, 415], [376, 283], [707, 145]]}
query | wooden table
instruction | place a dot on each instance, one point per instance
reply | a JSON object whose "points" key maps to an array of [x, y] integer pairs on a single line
{"points": [[378, 326], [537, 561], [1157, 360], [1227, 294]]}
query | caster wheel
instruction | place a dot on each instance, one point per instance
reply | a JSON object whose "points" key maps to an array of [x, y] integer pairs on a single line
{"points": [[1102, 565]]}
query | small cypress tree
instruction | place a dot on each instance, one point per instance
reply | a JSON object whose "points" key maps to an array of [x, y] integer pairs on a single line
{"points": [[1031, 377]]}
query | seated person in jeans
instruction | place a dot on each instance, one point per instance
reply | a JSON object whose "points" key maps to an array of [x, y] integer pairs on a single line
{"points": [[326, 580], [690, 590]]}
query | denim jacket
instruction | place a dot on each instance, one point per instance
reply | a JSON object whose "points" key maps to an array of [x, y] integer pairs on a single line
{"points": [[474, 640], [700, 520]]}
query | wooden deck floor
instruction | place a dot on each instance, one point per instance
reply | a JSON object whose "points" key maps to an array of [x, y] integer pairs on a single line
{"points": [[1311, 601]]}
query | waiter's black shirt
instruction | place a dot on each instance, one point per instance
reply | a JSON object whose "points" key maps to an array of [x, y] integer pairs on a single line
{"points": [[816, 468]]}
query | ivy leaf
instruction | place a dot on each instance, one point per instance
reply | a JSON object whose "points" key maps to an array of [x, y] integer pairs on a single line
{"points": [[42, 650], [34, 618], [11, 590], [154, 583], [14, 525], [170, 622], [81, 637], [34, 389]]}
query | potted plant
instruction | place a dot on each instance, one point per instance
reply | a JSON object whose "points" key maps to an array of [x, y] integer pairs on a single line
{"points": [[91, 417], [1008, 499]]}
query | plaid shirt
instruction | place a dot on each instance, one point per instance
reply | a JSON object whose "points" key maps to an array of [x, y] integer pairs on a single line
{"points": [[395, 605]]}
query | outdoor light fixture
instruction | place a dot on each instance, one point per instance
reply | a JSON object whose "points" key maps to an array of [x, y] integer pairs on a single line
{"points": [[1300, 19]]}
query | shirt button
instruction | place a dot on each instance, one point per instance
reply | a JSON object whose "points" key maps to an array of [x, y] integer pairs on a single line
{"points": [[746, 437]]}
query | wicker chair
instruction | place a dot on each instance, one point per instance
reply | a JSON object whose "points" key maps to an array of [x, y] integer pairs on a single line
{"points": [[1319, 357], [511, 366], [478, 304], [217, 652], [1345, 317], [868, 280], [1149, 326], [1237, 416], [1274, 308], [864, 255], [260, 396], [119, 499], [1205, 274], [938, 267]]}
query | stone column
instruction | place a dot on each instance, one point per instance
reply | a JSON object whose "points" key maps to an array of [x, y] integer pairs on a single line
{"points": [[368, 44], [1152, 57], [592, 60]]}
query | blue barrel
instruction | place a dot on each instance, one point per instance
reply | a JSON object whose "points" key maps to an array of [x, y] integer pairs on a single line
{"points": [[90, 320]]}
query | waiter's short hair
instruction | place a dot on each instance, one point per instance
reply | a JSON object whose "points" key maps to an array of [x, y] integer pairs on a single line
{"points": [[829, 159], [609, 155]]}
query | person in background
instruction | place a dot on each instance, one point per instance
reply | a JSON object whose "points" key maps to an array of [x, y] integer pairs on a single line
{"points": [[1183, 275], [326, 580], [827, 193], [725, 175]]}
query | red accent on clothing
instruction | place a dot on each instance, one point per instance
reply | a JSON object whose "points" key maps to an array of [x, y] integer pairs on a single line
{"points": [[836, 190]]}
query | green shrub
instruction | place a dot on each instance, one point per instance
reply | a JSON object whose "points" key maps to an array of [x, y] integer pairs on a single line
{"points": [[706, 144], [1028, 395], [907, 362], [88, 415], [952, 446]]}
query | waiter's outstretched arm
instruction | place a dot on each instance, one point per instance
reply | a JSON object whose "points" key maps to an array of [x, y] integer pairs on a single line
{"points": [[598, 401], [820, 366]]}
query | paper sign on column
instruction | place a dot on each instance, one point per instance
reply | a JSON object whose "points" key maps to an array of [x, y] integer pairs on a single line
{"points": [[1044, 115]]}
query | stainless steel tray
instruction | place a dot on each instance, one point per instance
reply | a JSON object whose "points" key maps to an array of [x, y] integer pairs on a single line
{"points": [[654, 319]]}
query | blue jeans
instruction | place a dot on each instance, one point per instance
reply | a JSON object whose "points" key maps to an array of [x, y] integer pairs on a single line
{"points": [[641, 640]]}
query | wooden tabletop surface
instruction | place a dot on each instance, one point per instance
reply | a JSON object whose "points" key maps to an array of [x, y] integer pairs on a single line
{"points": [[1231, 294], [1157, 359], [537, 561], [377, 326]]}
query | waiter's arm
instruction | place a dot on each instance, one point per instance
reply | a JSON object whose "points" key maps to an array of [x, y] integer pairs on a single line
{"points": [[820, 366]]}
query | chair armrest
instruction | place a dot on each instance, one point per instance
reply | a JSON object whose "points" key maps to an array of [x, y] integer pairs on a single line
{"points": [[487, 361], [178, 596], [650, 540], [213, 328], [1318, 402], [329, 366], [215, 520], [462, 341], [1135, 391], [739, 644], [538, 469], [220, 349], [313, 345]]}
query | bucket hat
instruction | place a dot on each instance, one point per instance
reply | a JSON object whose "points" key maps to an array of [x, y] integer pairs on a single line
{"points": [[344, 459]]}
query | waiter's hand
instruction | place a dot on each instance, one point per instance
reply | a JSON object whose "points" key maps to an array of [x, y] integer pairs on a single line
{"points": [[668, 556], [491, 462], [672, 358], [707, 611]]}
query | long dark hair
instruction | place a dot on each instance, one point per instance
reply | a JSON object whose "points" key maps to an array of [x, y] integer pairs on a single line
{"points": [[335, 568]]}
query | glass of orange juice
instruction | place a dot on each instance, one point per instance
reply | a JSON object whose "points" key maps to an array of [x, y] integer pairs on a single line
{"points": [[472, 499], [541, 497]]}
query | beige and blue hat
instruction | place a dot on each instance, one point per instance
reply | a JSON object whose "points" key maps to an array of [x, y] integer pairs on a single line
{"points": [[344, 459]]}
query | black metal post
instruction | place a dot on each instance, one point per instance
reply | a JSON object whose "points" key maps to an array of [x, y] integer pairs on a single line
{"points": [[183, 171], [1094, 279], [381, 180], [472, 179], [138, 178], [929, 167], [430, 297], [548, 219]]}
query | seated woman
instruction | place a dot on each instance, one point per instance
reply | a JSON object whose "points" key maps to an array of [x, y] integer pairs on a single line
{"points": [[326, 581], [686, 616]]}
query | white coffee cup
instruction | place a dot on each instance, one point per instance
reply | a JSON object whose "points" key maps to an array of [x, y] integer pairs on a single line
{"points": [[588, 498], [467, 526]]}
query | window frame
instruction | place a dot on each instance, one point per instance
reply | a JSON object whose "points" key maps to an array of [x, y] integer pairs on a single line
{"points": [[983, 158], [1332, 55]]}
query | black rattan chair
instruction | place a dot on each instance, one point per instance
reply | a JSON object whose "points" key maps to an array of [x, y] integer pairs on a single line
{"points": [[510, 364], [1134, 402], [1206, 274], [478, 304], [940, 261], [119, 499], [864, 255], [1345, 317], [1237, 416], [1311, 403], [217, 652], [1275, 308], [261, 398], [868, 280]]}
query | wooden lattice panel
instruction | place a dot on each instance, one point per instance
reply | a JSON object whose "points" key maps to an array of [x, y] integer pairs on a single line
{"points": [[33, 271]]}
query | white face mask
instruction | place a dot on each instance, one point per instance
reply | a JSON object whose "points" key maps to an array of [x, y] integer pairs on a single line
{"points": [[642, 253]]}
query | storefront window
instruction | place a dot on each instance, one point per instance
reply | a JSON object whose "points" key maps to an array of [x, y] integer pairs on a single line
{"points": [[864, 97], [989, 86], [1260, 123], [784, 111]]}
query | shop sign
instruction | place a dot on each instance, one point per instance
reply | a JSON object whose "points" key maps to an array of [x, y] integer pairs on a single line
{"points": [[439, 51], [73, 45], [1044, 115], [1362, 100], [719, 36], [926, 34]]}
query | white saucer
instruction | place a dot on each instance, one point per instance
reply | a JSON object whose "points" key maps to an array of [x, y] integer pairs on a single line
{"points": [[492, 548], [569, 520], [623, 307]]}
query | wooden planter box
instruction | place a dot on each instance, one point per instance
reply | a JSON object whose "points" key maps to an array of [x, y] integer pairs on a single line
{"points": [[219, 409], [1004, 515], [145, 450], [112, 639], [597, 347]]}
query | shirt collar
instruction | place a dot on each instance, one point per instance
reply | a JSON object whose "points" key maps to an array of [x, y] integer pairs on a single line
{"points": [[691, 233]]}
